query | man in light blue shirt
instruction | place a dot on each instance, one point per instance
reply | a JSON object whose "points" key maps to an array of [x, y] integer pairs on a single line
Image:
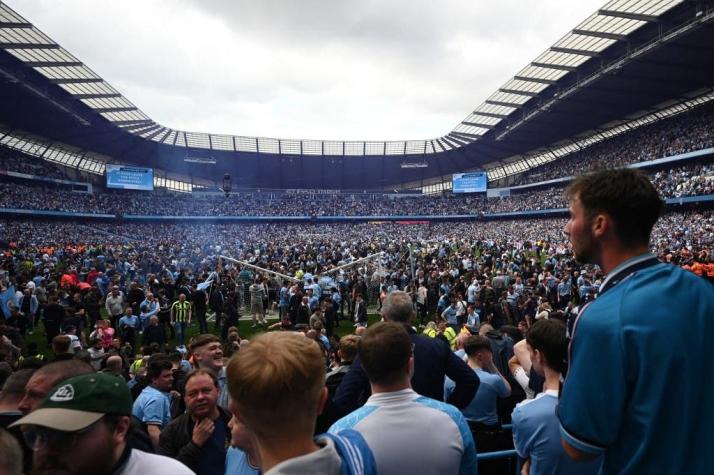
{"points": [[242, 456], [449, 314], [149, 308], [482, 408], [639, 385], [316, 289], [153, 406], [128, 325], [536, 433], [472, 291], [473, 318], [284, 299], [312, 300]]}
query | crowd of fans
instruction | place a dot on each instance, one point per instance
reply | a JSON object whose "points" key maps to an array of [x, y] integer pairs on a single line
{"points": [[21, 163], [684, 180], [686, 132], [109, 301]]}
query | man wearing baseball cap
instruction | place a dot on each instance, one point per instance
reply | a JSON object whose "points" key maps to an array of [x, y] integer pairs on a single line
{"points": [[82, 426]]}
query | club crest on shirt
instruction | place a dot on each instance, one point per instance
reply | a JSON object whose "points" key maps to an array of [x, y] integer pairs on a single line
{"points": [[64, 393]]}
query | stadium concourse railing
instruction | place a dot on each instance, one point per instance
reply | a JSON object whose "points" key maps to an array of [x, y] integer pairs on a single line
{"points": [[672, 203]]}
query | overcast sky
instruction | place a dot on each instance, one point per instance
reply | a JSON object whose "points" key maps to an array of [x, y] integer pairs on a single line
{"points": [[328, 69]]}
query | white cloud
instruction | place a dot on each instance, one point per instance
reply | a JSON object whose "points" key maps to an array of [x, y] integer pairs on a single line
{"points": [[328, 69]]}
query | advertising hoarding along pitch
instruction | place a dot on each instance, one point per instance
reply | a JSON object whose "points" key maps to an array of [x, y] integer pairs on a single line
{"points": [[469, 182], [130, 178]]}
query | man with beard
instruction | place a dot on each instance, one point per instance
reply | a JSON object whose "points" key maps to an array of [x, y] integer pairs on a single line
{"points": [[634, 391], [83, 428], [198, 438], [208, 354]]}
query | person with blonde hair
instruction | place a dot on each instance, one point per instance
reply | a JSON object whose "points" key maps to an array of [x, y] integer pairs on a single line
{"points": [[277, 387]]}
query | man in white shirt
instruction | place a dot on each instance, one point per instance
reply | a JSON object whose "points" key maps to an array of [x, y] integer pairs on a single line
{"points": [[407, 433]]}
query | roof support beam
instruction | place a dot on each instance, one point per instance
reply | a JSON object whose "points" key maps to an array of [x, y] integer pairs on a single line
{"points": [[450, 141], [52, 64], [12, 24], [150, 129], [29, 46], [505, 104], [519, 93], [138, 126], [142, 128], [114, 109], [130, 122], [96, 96], [155, 133], [165, 133], [628, 15], [579, 52], [550, 82], [476, 124], [600, 34], [559, 67], [75, 80], [491, 114], [467, 136], [459, 140], [444, 146]]}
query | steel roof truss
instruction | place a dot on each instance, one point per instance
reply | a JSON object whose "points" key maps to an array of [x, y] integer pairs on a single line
{"points": [[600, 34], [97, 96], [506, 104], [29, 46], [52, 64], [153, 134], [10, 24], [579, 52], [75, 80], [550, 82], [130, 122], [491, 115], [466, 135], [559, 67], [114, 109], [459, 140], [519, 93], [477, 124], [453, 143], [628, 15]]}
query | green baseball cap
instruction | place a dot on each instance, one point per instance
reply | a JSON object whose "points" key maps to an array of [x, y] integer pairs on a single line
{"points": [[77, 403]]}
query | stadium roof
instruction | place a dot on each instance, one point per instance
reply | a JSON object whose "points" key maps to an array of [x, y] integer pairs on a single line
{"points": [[613, 23], [625, 58]]}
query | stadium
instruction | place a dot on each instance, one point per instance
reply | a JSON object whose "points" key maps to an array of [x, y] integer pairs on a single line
{"points": [[147, 252]]}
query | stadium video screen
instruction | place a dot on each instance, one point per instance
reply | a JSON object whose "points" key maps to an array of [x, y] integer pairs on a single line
{"points": [[130, 178], [469, 182]]}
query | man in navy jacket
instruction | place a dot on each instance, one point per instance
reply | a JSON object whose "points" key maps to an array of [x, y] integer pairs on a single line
{"points": [[433, 359]]}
